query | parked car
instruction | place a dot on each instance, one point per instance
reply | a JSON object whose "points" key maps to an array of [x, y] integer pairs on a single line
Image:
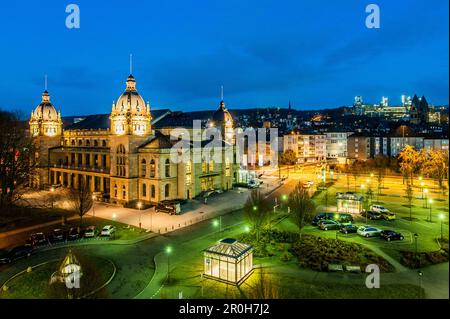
{"points": [[56, 235], [90, 232], [388, 215], [329, 225], [368, 231], [343, 218], [321, 216], [371, 214], [37, 239], [8, 256], [339, 195], [74, 233], [254, 183], [348, 229], [168, 207], [379, 209], [108, 230], [338, 217], [391, 235]]}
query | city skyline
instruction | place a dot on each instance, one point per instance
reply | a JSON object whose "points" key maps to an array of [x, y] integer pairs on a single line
{"points": [[258, 63]]}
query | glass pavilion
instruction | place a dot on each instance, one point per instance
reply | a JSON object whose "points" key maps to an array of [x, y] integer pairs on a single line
{"points": [[228, 261]]}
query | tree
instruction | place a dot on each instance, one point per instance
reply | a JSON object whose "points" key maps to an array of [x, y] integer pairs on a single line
{"points": [[257, 212], [302, 207], [288, 158], [15, 159], [369, 195], [436, 165], [81, 199], [410, 196], [410, 162]]}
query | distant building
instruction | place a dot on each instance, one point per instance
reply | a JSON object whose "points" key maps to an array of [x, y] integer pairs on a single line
{"points": [[336, 147], [309, 148], [358, 147], [419, 110]]}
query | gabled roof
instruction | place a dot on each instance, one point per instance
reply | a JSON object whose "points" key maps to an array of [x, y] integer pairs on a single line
{"points": [[229, 247], [159, 141]]}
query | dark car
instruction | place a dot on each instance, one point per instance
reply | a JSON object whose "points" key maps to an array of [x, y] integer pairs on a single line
{"points": [[348, 229], [74, 233], [37, 239], [340, 218], [391, 235], [57, 235], [8, 256], [168, 207], [329, 225], [371, 215], [319, 217]]}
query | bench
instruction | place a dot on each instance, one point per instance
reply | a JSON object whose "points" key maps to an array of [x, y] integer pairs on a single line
{"points": [[353, 269], [335, 267]]}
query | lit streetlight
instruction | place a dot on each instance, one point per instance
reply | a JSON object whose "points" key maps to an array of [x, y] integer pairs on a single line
{"points": [[139, 206], [416, 236], [422, 184], [430, 201], [168, 252], [218, 223], [425, 191], [52, 190]]}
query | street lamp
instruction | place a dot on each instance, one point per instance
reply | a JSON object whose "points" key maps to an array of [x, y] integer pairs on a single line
{"points": [[422, 184], [247, 229], [416, 236], [93, 204], [430, 201], [139, 205], [52, 190], [425, 191], [168, 251], [218, 223], [420, 273]]}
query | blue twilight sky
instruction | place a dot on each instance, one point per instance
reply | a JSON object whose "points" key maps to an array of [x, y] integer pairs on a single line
{"points": [[317, 53]]}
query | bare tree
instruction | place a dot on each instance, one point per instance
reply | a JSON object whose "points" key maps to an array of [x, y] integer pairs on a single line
{"points": [[15, 160], [257, 211], [265, 288], [302, 207], [410, 196], [81, 199]]}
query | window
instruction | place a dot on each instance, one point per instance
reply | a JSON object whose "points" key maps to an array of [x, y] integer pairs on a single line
{"points": [[88, 143], [167, 168], [124, 192], [144, 190], [120, 162], [80, 142], [153, 191], [104, 143], [227, 167], [115, 191], [211, 166], [152, 168], [143, 167], [167, 191], [95, 143], [188, 167], [72, 142], [203, 166]]}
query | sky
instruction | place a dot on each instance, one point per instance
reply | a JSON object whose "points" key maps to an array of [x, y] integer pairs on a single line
{"points": [[316, 53]]}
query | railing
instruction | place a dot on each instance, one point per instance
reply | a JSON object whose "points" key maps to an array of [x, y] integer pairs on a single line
{"points": [[83, 168]]}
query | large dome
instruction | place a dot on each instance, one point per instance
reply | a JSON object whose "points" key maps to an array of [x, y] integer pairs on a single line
{"points": [[45, 111], [130, 102], [221, 116]]}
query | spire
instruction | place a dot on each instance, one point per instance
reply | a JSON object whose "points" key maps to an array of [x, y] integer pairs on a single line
{"points": [[131, 63], [289, 105], [45, 83], [221, 92]]}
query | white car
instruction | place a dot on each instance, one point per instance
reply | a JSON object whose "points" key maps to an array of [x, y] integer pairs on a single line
{"points": [[108, 230], [379, 209], [91, 231], [369, 231]]}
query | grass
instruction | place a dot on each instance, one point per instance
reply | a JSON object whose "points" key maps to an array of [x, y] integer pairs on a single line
{"points": [[96, 271], [19, 217]]}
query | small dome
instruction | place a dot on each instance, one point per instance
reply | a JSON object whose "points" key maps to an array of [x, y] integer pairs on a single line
{"points": [[45, 111], [130, 101], [221, 115]]}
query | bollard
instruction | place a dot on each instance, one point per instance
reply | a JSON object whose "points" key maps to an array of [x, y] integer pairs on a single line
{"points": [[29, 269]]}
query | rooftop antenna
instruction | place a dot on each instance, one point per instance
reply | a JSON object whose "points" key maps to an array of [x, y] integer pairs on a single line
{"points": [[45, 81], [221, 92], [131, 63]]}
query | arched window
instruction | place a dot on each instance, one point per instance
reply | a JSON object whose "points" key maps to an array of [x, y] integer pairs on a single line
{"points": [[167, 167], [167, 191], [115, 191], [120, 162], [80, 142], [144, 190], [153, 191], [124, 192], [95, 143], [88, 143], [72, 142], [104, 143], [152, 168], [143, 167]]}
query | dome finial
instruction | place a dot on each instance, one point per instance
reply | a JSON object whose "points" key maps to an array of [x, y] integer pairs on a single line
{"points": [[45, 81], [221, 92]]}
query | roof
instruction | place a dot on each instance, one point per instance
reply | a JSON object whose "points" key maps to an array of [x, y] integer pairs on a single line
{"points": [[178, 119], [101, 121], [229, 247], [159, 141]]}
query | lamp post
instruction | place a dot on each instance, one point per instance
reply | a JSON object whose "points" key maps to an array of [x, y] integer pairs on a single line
{"points": [[416, 236], [422, 184], [93, 204], [430, 201], [52, 190], [420, 273], [218, 223], [168, 251], [425, 191], [139, 205]]}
